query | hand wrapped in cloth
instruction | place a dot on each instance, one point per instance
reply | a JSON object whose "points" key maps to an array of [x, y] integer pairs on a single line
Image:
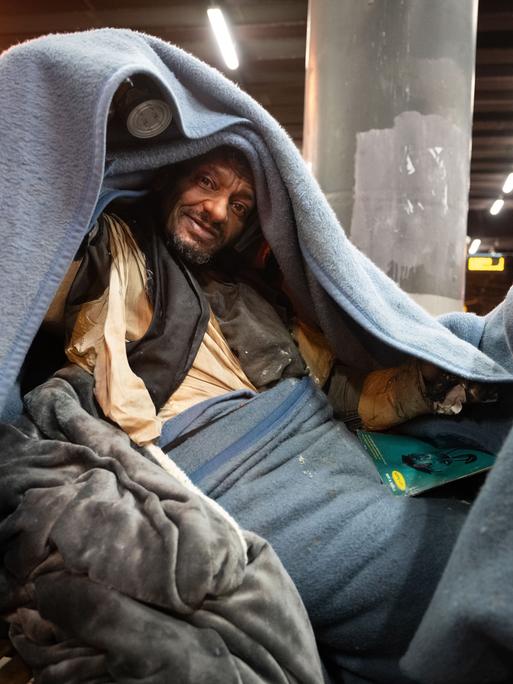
{"points": [[391, 396]]}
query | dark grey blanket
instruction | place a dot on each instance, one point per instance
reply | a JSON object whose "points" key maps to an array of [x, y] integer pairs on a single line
{"points": [[115, 572]]}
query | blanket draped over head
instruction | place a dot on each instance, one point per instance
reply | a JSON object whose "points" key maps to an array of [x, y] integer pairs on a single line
{"points": [[58, 165]]}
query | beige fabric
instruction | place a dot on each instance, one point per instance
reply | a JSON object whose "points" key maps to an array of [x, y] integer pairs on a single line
{"points": [[315, 350], [215, 371], [392, 396], [124, 312]]}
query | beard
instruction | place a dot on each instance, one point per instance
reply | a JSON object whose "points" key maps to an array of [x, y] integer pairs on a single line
{"points": [[191, 254], [192, 250]]}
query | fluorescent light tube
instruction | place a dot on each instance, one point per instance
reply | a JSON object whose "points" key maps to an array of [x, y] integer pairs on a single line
{"points": [[496, 206], [508, 184], [474, 246], [223, 37]]}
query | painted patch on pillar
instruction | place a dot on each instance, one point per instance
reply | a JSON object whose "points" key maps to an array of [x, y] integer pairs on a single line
{"points": [[411, 201]]}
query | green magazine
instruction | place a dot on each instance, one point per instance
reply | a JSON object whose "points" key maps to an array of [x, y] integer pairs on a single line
{"points": [[409, 466]]}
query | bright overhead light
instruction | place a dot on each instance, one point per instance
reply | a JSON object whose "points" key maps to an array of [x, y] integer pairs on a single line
{"points": [[474, 246], [223, 37], [496, 206], [508, 184]]}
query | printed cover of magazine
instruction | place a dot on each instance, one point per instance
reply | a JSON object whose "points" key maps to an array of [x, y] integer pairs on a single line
{"points": [[410, 466]]}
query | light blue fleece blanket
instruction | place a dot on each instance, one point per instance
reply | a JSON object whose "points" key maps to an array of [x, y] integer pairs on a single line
{"points": [[55, 94]]}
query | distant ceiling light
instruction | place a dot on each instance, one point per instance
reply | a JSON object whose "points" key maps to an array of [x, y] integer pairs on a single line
{"points": [[223, 37], [474, 246], [496, 206], [508, 184]]}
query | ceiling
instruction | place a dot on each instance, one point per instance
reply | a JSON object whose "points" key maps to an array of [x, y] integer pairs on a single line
{"points": [[271, 35]]}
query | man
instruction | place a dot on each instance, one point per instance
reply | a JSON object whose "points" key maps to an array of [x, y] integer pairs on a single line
{"points": [[141, 319]]}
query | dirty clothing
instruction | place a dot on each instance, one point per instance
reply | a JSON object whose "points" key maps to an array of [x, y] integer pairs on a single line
{"points": [[245, 345], [123, 312]]}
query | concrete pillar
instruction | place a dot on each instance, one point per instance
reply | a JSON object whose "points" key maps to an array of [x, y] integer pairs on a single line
{"points": [[388, 116]]}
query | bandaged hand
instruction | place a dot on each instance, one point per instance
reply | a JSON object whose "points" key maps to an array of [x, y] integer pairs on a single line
{"points": [[448, 392], [394, 395]]}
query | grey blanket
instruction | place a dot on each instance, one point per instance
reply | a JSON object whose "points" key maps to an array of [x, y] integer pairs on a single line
{"points": [[113, 571]]}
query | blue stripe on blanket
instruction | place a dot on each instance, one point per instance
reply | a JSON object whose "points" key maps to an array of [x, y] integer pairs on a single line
{"points": [[268, 423]]}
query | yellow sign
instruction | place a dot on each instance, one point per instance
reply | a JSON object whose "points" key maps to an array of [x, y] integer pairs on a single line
{"points": [[486, 263], [399, 480]]}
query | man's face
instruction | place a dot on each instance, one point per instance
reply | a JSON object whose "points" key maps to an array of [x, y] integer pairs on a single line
{"points": [[210, 209]]}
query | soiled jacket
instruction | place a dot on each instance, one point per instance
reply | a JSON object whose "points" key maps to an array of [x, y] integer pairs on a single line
{"points": [[133, 331]]}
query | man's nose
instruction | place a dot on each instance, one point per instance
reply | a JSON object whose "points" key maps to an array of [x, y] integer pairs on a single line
{"points": [[217, 208]]}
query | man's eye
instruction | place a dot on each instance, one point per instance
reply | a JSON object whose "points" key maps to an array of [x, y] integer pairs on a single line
{"points": [[239, 209], [206, 182]]}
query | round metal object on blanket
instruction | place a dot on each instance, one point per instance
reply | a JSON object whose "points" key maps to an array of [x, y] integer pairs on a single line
{"points": [[149, 118]]}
